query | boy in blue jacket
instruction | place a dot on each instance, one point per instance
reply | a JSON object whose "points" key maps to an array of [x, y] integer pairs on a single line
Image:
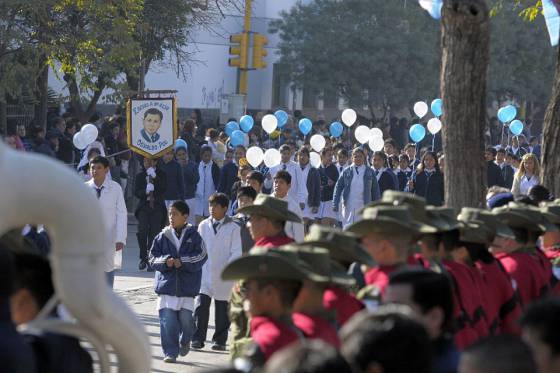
{"points": [[177, 255]]}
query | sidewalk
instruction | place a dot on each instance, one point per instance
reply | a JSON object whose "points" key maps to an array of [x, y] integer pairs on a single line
{"points": [[136, 287]]}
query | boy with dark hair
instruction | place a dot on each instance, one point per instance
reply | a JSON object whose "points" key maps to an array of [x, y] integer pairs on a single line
{"points": [[313, 185], [282, 187], [255, 180], [493, 172], [429, 293], [505, 169], [369, 345], [298, 191], [16, 355], [540, 331], [175, 190], [111, 199], [222, 238], [245, 197]]}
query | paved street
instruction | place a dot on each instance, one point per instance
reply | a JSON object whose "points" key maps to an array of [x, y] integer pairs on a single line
{"points": [[136, 287]]}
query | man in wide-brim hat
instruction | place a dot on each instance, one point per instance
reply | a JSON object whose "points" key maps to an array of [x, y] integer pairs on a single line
{"points": [[309, 313], [272, 280], [345, 249], [478, 230], [267, 218], [520, 257], [387, 234]]}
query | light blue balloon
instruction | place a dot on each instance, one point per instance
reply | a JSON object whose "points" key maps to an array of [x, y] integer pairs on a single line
{"points": [[246, 123], [237, 138], [417, 132], [437, 107], [282, 118], [516, 127], [180, 143], [336, 129], [507, 113], [230, 127], [305, 126]]}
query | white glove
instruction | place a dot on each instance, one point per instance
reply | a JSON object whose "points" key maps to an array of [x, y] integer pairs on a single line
{"points": [[149, 188], [151, 172]]}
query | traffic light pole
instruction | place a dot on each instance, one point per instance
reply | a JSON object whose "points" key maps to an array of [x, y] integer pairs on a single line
{"points": [[244, 71]]}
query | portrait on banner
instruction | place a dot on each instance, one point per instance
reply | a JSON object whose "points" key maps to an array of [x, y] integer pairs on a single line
{"points": [[151, 128]]}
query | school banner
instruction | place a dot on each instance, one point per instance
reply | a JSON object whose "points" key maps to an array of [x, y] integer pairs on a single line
{"points": [[151, 129]]}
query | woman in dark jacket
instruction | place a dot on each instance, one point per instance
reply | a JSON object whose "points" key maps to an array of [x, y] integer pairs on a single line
{"points": [[427, 182], [177, 255], [385, 176]]}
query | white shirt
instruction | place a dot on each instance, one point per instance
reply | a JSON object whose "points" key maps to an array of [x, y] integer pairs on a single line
{"points": [[526, 183], [298, 189], [379, 172], [223, 246], [115, 217], [205, 187], [356, 200], [293, 230]]}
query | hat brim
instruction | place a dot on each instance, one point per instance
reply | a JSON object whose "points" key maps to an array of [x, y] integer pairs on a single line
{"points": [[340, 277], [268, 212], [344, 254], [382, 225], [264, 266]]}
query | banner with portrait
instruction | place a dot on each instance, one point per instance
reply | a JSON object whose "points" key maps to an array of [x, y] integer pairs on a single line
{"points": [[151, 129]]}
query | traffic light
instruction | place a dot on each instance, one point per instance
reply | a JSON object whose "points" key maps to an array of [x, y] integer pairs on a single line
{"points": [[259, 52], [238, 50]]}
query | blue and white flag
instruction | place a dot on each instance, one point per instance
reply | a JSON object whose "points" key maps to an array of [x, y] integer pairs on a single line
{"points": [[433, 7], [551, 10]]}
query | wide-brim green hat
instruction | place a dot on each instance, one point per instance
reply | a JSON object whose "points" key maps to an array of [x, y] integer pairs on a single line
{"points": [[521, 216], [319, 263], [552, 212], [272, 208], [267, 263], [385, 219], [469, 214], [477, 232], [443, 218], [344, 247], [416, 204]]}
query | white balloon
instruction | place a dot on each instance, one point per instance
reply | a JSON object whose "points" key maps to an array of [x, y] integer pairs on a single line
{"points": [[89, 133], [375, 132], [420, 109], [78, 141], [434, 125], [315, 159], [317, 142], [349, 117], [272, 158], [269, 123], [254, 156], [376, 143], [362, 134]]}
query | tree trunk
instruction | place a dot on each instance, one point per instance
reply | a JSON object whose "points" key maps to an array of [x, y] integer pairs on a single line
{"points": [[82, 114], [551, 137], [464, 66], [3, 116], [41, 96]]}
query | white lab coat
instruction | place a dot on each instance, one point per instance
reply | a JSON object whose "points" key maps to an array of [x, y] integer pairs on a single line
{"points": [[115, 217], [222, 247], [298, 188], [293, 230]]}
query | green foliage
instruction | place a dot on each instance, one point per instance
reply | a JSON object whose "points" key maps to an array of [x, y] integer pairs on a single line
{"points": [[385, 47]]}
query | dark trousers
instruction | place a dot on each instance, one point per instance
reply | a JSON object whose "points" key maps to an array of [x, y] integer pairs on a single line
{"points": [[150, 223], [201, 316]]}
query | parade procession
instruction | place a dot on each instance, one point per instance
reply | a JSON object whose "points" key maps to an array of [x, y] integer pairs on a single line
{"points": [[280, 186]]}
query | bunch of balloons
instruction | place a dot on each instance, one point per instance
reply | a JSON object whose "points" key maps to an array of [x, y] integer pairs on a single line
{"points": [[87, 134], [421, 108], [507, 114]]}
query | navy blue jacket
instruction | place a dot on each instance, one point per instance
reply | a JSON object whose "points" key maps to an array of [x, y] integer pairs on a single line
{"points": [[313, 188], [446, 357], [185, 280], [403, 177], [190, 178], [228, 176], [494, 175], [16, 356], [326, 174], [175, 183], [507, 174], [160, 185], [386, 181], [429, 187]]}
